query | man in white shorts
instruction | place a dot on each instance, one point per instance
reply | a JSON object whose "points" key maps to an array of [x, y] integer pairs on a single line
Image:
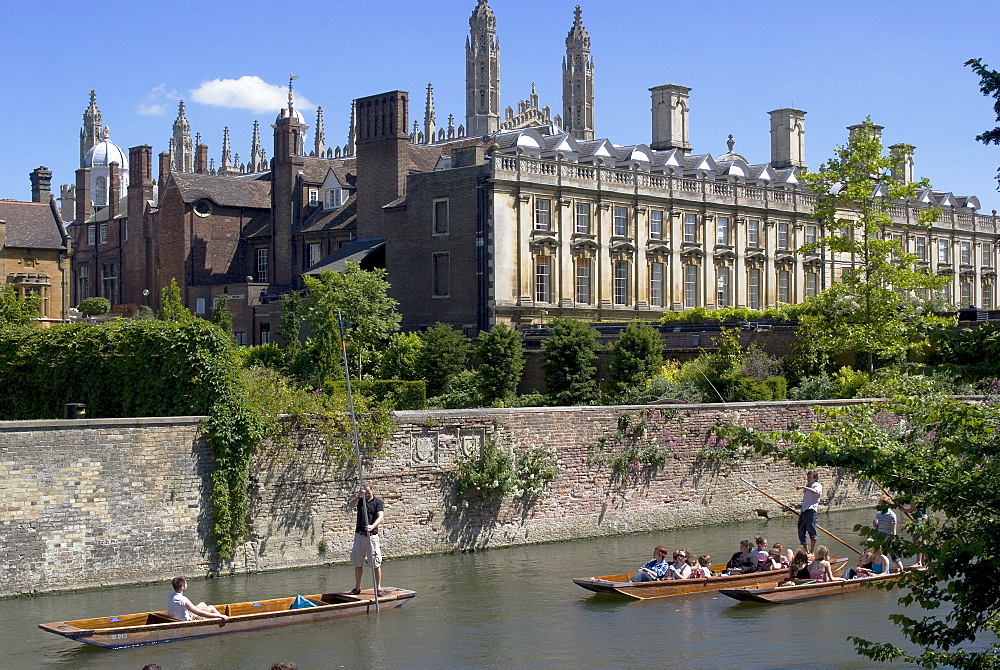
{"points": [[366, 542]]}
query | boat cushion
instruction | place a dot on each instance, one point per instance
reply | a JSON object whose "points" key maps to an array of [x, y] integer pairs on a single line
{"points": [[301, 603]]}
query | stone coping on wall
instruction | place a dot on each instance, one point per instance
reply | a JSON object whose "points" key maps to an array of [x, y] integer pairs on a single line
{"points": [[138, 422]]}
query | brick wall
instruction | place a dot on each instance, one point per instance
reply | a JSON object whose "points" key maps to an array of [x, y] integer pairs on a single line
{"points": [[111, 501]]}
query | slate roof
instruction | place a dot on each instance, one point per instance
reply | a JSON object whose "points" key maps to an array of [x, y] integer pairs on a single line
{"points": [[336, 219], [32, 225], [314, 170], [224, 191], [355, 251]]}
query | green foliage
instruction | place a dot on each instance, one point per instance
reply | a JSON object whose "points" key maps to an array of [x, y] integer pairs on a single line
{"points": [[18, 311], [636, 358], [778, 386], [444, 354], [989, 85], [501, 470], [398, 394], [463, 392], [263, 356], [941, 455], [146, 313], [401, 357], [569, 362], [363, 298], [848, 382], [731, 314], [221, 316], [500, 357], [971, 353], [94, 306], [630, 451], [878, 307], [172, 305]]}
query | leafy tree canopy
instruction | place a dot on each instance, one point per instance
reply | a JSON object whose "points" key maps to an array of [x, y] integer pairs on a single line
{"points": [[569, 362], [221, 316], [444, 355], [501, 361], [18, 311], [636, 357], [989, 84], [172, 305]]}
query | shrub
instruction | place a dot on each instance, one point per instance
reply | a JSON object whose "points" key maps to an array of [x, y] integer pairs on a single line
{"points": [[502, 470], [501, 360], [399, 394], [94, 306], [569, 362]]}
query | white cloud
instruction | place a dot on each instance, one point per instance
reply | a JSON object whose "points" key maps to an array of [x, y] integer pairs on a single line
{"points": [[152, 110], [247, 92], [155, 101]]}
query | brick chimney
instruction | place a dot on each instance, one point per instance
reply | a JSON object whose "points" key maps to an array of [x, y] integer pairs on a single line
{"points": [[83, 197], [201, 159], [114, 190], [41, 184], [164, 167], [383, 157]]}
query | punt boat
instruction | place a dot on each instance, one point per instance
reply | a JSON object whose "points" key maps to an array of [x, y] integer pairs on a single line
{"points": [[620, 584], [793, 592], [129, 630]]}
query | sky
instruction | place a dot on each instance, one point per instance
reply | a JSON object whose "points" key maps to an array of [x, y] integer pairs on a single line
{"points": [[901, 63]]}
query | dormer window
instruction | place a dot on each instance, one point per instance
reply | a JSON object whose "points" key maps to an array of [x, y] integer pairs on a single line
{"points": [[313, 197], [333, 198]]}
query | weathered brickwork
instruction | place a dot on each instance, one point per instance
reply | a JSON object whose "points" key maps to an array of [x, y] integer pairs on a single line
{"points": [[85, 503]]}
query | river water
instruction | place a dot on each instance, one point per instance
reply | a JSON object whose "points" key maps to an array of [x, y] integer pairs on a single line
{"points": [[503, 608]]}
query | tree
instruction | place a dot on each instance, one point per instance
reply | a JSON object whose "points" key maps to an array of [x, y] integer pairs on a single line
{"points": [[883, 306], [362, 297], [636, 358], [401, 357], [94, 306], [444, 355], [989, 84], [221, 316], [172, 305], [18, 311], [940, 454], [501, 361], [569, 362]]}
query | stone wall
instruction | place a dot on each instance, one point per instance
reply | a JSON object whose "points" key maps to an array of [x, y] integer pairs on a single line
{"points": [[111, 501]]}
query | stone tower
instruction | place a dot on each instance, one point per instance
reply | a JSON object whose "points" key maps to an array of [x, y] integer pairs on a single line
{"points": [[788, 138], [482, 73], [93, 127], [289, 134], [670, 118], [181, 147], [578, 82]]}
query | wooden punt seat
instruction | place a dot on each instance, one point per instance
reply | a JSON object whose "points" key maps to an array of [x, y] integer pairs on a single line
{"points": [[155, 617]]}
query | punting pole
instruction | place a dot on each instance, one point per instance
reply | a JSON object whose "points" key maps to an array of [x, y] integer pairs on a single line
{"points": [[357, 453], [796, 512]]}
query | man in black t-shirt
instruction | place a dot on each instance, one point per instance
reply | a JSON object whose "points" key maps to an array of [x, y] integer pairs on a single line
{"points": [[366, 541]]}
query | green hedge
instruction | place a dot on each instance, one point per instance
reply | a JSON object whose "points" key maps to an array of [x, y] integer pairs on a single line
{"points": [[403, 394]]}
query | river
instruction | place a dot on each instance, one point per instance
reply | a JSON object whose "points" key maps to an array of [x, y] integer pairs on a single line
{"points": [[503, 608]]}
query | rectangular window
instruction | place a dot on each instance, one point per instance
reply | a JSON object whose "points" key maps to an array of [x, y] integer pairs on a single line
{"points": [[966, 289], [690, 227], [82, 283], [313, 197], [104, 233], [312, 254], [783, 239], [621, 221], [753, 289], [241, 338], [91, 235], [543, 279], [987, 295], [812, 284], [656, 284], [265, 333], [543, 213], [811, 234], [656, 224], [334, 198], [109, 282], [987, 254], [583, 218], [784, 286], [690, 285], [942, 251], [441, 216], [965, 251], [753, 233], [199, 306], [441, 274], [921, 248], [621, 282], [261, 270], [583, 281], [722, 230], [722, 287]]}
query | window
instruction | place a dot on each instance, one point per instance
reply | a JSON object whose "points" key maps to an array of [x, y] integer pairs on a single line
{"points": [[109, 282], [441, 216], [656, 284], [722, 287], [784, 286], [921, 248], [946, 293], [82, 283], [812, 284], [722, 230], [987, 254], [313, 197], [987, 295], [966, 292], [620, 221], [91, 235], [199, 306], [583, 281], [101, 192], [621, 282], [942, 251], [265, 333], [241, 338], [753, 289], [690, 285], [811, 234], [753, 233], [261, 274], [312, 254], [656, 224], [543, 211], [334, 198], [583, 218], [690, 227], [441, 274], [543, 279], [965, 253], [783, 236], [104, 233]]}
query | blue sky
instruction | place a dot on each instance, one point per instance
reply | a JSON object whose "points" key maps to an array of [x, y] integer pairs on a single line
{"points": [[899, 62]]}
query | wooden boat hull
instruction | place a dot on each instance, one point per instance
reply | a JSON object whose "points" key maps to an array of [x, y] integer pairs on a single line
{"points": [[774, 594], [129, 630], [619, 584]]}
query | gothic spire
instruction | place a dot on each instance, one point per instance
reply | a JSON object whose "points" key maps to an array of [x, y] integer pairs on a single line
{"points": [[320, 139], [181, 149], [351, 134], [256, 155], [93, 128], [578, 81], [482, 72], [226, 165], [430, 123]]}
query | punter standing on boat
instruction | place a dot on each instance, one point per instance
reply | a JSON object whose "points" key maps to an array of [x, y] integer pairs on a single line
{"points": [[366, 542], [811, 493]]}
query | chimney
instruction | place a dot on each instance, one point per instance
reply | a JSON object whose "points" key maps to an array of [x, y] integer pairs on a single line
{"points": [[856, 128], [83, 198], [41, 184], [114, 190], [902, 169], [788, 138], [670, 118], [383, 157], [67, 196], [164, 168], [201, 159]]}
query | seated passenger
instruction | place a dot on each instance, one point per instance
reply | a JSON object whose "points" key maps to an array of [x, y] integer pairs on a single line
{"points": [[703, 569], [798, 567], [785, 556], [762, 552], [179, 607], [679, 569], [743, 561], [772, 562], [654, 569], [820, 569]]}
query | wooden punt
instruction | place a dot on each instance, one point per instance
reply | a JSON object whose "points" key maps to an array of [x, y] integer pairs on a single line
{"points": [[620, 585], [129, 630], [792, 593]]}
